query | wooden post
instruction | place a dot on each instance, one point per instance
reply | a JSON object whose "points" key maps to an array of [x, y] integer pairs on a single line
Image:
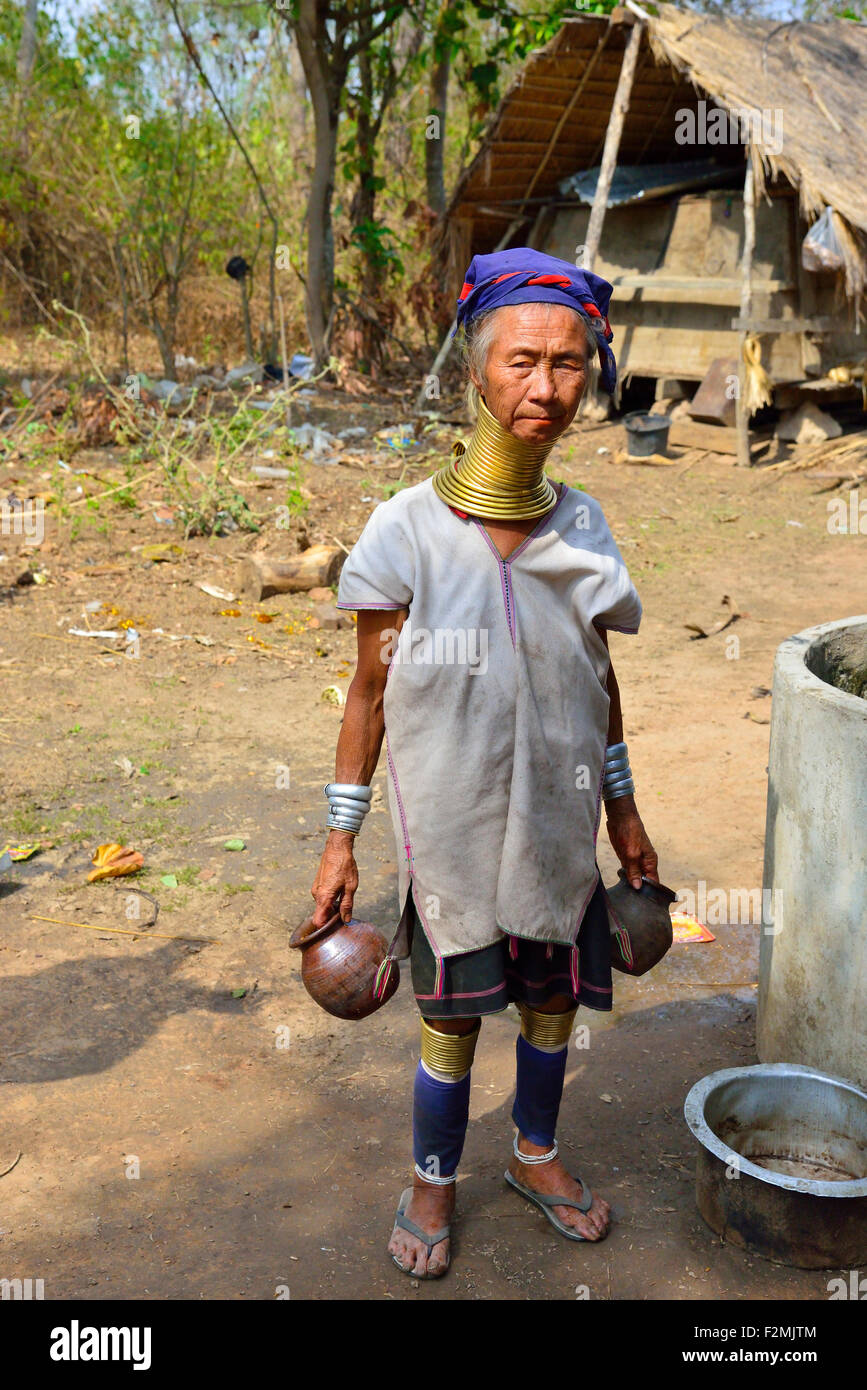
{"points": [[124, 301], [245, 310], [742, 419], [283, 354], [619, 108], [591, 407]]}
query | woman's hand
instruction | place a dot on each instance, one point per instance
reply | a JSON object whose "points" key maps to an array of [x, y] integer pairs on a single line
{"points": [[629, 840], [336, 879]]}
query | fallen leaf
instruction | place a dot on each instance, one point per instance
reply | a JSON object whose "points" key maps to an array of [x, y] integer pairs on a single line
{"points": [[169, 880], [234, 844], [113, 861]]}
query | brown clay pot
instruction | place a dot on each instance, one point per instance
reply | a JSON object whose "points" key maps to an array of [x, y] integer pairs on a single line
{"points": [[339, 963], [642, 916]]}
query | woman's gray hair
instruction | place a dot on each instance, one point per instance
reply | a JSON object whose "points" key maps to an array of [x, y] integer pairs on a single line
{"points": [[476, 341]]}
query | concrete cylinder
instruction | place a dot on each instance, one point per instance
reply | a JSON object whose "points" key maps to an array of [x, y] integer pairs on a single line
{"points": [[812, 1007]]}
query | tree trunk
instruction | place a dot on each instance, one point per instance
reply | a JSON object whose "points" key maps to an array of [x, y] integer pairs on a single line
{"points": [[299, 95], [325, 57], [434, 146], [320, 241], [364, 209], [325, 89], [25, 65], [165, 342], [27, 46]]}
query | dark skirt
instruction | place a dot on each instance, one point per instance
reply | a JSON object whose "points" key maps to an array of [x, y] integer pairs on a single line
{"points": [[514, 969]]}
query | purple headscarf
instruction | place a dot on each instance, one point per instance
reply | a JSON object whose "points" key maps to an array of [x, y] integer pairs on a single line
{"points": [[524, 276]]}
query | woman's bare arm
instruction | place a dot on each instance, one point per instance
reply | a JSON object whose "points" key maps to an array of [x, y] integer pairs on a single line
{"points": [[358, 747], [627, 834]]}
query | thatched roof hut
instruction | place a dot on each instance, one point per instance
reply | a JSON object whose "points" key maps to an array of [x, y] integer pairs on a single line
{"points": [[794, 92]]}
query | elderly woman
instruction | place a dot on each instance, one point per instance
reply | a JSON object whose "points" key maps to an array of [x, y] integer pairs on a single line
{"points": [[484, 597]]}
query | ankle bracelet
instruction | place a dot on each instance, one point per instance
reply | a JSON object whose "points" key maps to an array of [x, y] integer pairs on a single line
{"points": [[437, 1182], [534, 1158]]}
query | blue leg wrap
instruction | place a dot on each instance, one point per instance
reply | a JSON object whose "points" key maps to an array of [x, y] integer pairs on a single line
{"points": [[539, 1089], [440, 1113]]}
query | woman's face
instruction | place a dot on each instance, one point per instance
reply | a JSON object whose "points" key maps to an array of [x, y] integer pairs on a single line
{"points": [[536, 370]]}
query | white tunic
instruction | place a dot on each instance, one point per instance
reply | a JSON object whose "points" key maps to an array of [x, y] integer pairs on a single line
{"points": [[496, 711]]}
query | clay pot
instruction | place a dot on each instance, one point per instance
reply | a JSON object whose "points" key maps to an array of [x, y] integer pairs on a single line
{"points": [[640, 922], [339, 964]]}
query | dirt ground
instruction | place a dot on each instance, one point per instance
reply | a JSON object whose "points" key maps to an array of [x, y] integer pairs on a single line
{"points": [[190, 1125]]}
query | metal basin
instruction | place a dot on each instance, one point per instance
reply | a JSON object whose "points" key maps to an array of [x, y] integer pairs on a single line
{"points": [[782, 1163], [645, 434]]}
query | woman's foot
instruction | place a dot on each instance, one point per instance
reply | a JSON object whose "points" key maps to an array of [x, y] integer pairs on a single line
{"points": [[431, 1208], [552, 1179]]}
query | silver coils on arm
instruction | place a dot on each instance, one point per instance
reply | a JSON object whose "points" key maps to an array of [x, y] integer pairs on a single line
{"points": [[617, 780], [348, 804]]}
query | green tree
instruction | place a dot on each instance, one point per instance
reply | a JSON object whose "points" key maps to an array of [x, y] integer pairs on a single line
{"points": [[329, 38]]}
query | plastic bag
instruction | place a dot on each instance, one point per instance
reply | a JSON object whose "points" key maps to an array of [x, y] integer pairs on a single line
{"points": [[821, 249]]}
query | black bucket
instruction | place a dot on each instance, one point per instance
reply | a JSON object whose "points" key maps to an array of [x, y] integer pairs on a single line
{"points": [[646, 434]]}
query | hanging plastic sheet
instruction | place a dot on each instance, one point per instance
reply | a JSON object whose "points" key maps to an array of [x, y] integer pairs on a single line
{"points": [[633, 183]]}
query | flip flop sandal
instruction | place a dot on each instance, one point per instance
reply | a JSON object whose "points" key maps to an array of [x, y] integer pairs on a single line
{"points": [[405, 1224], [545, 1202]]}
